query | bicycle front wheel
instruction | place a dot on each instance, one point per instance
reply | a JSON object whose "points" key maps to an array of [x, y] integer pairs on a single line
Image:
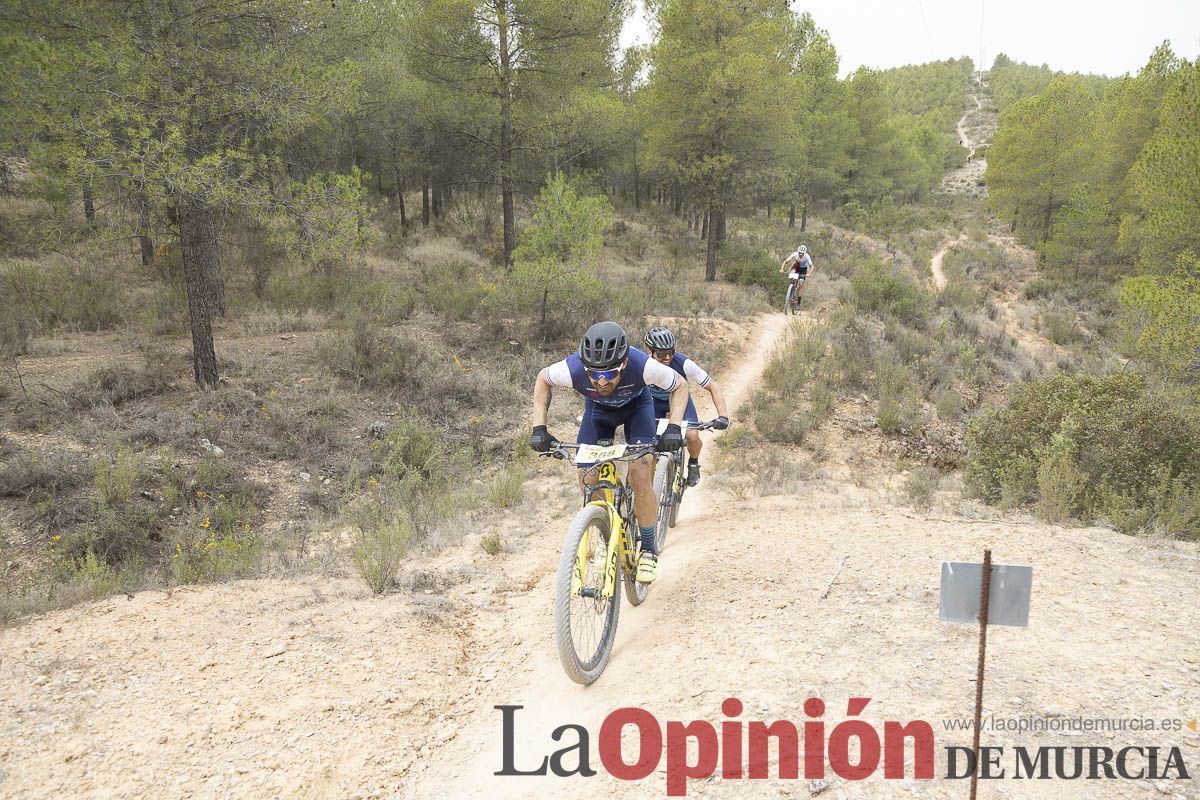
{"points": [[585, 624], [788, 306], [664, 489]]}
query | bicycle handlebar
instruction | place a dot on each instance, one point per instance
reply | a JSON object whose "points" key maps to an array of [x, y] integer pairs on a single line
{"points": [[632, 451]]}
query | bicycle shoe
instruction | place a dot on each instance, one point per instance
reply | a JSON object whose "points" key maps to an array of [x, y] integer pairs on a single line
{"points": [[693, 473], [647, 569]]}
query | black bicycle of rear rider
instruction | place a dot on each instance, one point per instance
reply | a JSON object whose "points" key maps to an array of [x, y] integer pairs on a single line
{"points": [[670, 482]]}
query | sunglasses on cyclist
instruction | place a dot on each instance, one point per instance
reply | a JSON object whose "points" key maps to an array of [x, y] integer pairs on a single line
{"points": [[606, 375], [663, 356]]}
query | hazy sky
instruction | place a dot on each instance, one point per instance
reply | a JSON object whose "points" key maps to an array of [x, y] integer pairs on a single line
{"points": [[1101, 36]]}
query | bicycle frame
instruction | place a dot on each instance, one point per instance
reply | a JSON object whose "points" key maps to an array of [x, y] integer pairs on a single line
{"points": [[612, 493], [616, 499]]}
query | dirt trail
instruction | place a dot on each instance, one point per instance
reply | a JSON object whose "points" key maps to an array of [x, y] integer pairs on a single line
{"points": [[975, 129], [935, 264]]}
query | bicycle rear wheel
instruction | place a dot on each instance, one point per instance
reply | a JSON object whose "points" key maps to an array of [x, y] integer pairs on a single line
{"points": [[585, 624]]}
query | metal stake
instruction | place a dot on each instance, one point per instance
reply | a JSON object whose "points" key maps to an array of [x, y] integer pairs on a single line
{"points": [[985, 590]]}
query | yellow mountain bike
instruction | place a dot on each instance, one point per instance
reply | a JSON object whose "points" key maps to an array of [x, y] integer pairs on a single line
{"points": [[600, 552]]}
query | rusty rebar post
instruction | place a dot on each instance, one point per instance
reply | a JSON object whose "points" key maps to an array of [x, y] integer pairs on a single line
{"points": [[984, 592]]}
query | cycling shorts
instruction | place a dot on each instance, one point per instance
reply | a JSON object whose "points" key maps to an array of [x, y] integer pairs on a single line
{"points": [[601, 422]]}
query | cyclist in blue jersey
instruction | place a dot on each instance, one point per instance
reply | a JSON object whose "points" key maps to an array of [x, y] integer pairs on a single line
{"points": [[660, 342], [613, 379]]}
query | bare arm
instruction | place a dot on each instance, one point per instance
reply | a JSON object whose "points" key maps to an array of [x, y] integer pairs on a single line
{"points": [[717, 398], [541, 399], [679, 398]]}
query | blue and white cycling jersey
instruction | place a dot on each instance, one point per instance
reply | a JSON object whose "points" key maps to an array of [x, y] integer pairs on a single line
{"points": [[640, 372], [689, 369]]}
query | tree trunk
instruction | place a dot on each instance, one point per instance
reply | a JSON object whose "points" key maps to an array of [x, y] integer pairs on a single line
{"points": [[704, 226], [145, 241], [792, 215], [637, 189], [425, 202], [201, 276], [710, 257], [804, 216], [400, 201], [721, 232], [768, 209], [437, 199], [89, 206], [1046, 219], [506, 158]]}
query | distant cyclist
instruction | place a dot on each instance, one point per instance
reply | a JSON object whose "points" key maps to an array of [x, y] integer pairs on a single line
{"points": [[613, 377], [660, 341], [799, 266]]}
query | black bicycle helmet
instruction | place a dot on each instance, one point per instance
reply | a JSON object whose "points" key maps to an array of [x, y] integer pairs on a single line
{"points": [[660, 338], [604, 346]]}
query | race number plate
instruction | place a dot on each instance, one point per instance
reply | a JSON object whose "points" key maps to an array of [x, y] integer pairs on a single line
{"points": [[593, 453]]}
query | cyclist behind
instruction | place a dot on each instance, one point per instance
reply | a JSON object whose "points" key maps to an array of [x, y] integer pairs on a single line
{"points": [[801, 266], [660, 341], [612, 377]]}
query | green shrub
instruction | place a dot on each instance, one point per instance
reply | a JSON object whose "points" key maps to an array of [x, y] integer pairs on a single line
{"points": [[949, 404], [346, 292], [821, 399], [379, 551], [887, 290], [206, 556], [920, 486], [117, 384], [455, 290], [1059, 326], [783, 421], [491, 544], [42, 296], [506, 488], [958, 293], [1125, 444], [364, 353], [1059, 481], [899, 403], [747, 265]]}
